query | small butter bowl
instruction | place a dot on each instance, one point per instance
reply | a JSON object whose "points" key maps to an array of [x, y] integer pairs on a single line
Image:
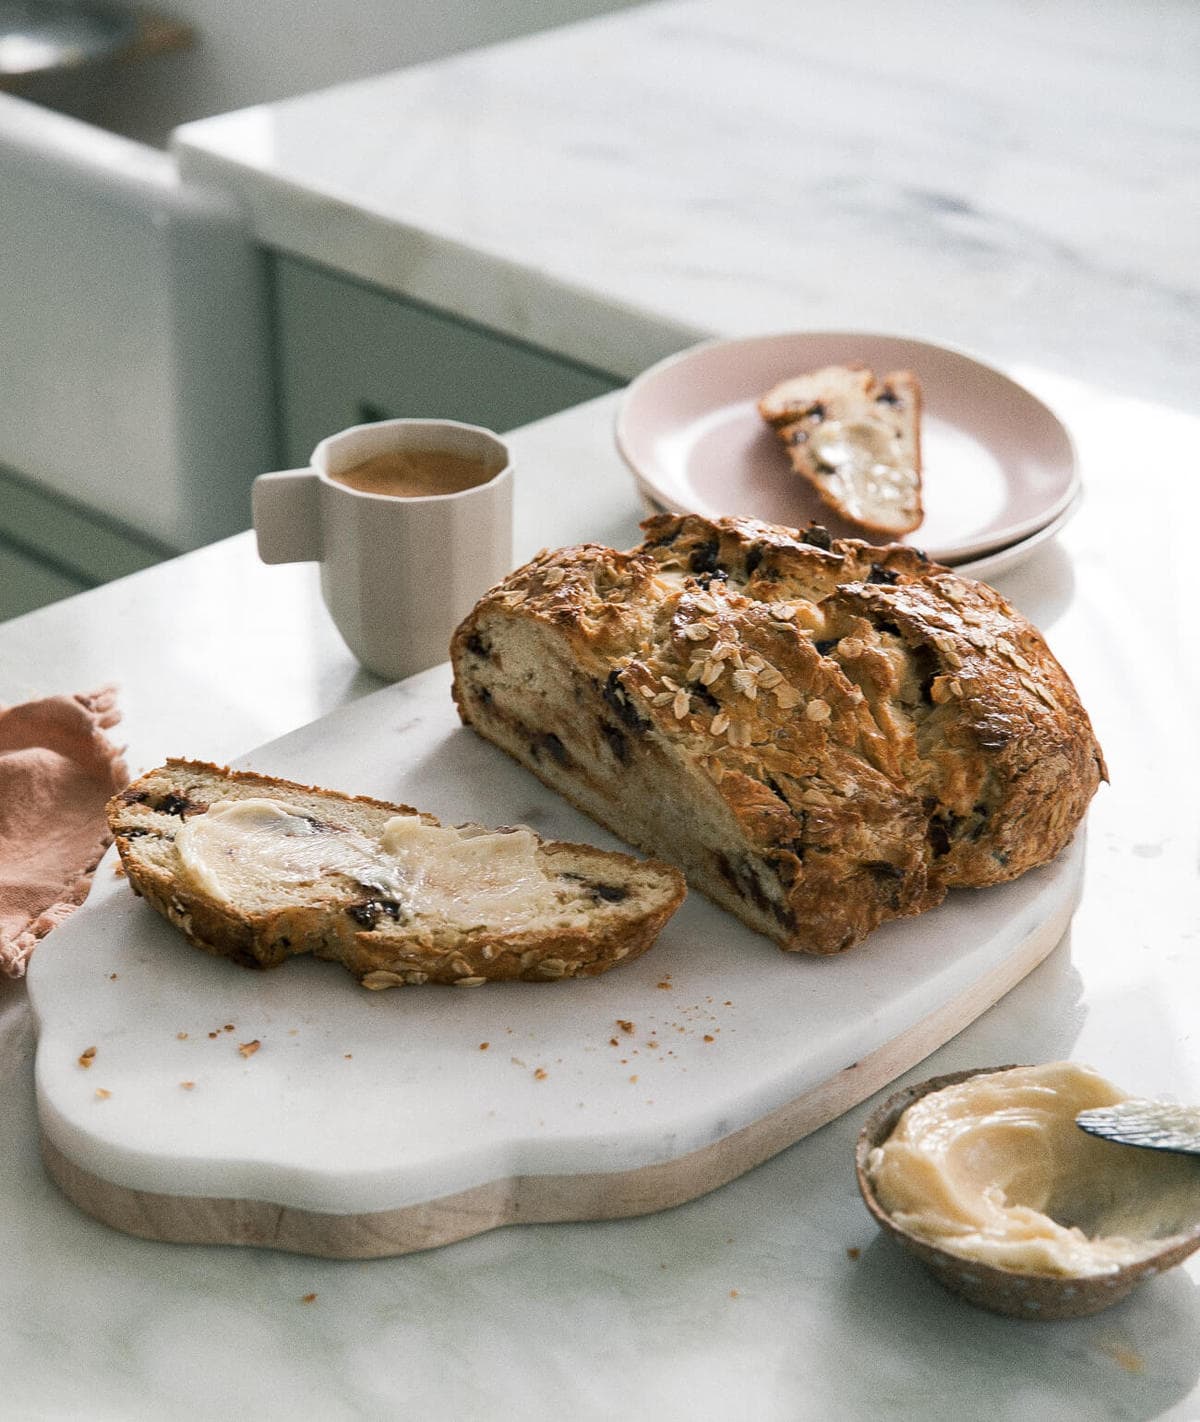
{"points": [[1032, 1296]]}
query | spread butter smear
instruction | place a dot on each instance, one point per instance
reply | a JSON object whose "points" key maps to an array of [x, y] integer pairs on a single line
{"points": [[468, 876], [994, 1169], [863, 467]]}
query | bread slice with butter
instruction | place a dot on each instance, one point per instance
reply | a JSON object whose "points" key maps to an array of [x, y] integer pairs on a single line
{"points": [[857, 440], [258, 869]]}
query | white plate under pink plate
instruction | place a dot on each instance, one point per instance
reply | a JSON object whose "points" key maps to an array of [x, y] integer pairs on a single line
{"points": [[998, 463]]}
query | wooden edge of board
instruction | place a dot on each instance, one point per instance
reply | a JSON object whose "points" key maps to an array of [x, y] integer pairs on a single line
{"points": [[544, 1199]]}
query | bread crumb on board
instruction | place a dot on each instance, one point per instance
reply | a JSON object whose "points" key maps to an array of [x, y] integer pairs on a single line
{"points": [[1124, 1356], [87, 1057], [248, 1049]]}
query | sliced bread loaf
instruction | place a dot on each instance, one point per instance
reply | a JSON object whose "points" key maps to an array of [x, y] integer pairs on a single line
{"points": [[257, 869], [822, 734]]}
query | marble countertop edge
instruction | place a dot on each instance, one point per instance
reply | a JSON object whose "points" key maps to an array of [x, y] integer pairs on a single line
{"points": [[523, 302]]}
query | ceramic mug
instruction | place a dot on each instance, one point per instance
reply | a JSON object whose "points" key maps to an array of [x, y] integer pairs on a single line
{"points": [[399, 572]]}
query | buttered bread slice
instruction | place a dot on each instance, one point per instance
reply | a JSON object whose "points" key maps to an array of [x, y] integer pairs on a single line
{"points": [[257, 869], [857, 440]]}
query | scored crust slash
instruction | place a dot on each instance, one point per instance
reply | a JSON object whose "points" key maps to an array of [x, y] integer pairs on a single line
{"points": [[822, 734]]}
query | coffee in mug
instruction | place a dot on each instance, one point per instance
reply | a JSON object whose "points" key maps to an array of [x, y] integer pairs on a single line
{"points": [[411, 523], [417, 473]]}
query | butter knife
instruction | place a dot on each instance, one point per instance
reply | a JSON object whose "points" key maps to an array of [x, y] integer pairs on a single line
{"points": [[1154, 1125]]}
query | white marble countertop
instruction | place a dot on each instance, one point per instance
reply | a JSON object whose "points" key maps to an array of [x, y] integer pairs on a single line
{"points": [[1017, 179], [745, 1304]]}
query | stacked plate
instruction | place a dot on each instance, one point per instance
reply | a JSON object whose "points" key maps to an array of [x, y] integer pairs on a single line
{"points": [[999, 469]]}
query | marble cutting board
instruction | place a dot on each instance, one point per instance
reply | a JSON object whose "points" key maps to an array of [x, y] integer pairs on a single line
{"points": [[368, 1124]]}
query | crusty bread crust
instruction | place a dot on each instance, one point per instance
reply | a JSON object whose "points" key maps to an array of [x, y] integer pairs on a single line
{"points": [[798, 410], [614, 906], [822, 734]]}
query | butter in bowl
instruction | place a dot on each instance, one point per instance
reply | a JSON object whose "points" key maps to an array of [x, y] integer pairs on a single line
{"points": [[985, 1177]]}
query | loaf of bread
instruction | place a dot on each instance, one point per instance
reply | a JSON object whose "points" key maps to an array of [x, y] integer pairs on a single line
{"points": [[856, 440], [822, 734], [257, 869]]}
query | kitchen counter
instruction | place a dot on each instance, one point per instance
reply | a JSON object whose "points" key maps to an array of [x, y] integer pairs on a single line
{"points": [[1016, 179], [1019, 180], [771, 1298]]}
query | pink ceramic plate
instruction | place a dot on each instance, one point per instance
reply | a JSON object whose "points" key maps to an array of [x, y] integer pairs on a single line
{"points": [[998, 464]]}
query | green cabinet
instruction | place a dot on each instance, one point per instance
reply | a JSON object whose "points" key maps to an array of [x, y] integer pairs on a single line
{"points": [[51, 547], [347, 353]]}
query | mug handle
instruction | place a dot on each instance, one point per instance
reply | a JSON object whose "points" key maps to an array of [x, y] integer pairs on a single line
{"points": [[287, 516]]}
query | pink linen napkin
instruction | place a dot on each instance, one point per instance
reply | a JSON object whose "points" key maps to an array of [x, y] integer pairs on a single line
{"points": [[57, 771]]}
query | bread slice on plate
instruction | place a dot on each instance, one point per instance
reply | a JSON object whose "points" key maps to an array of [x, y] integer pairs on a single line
{"points": [[857, 440], [822, 734], [257, 869]]}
